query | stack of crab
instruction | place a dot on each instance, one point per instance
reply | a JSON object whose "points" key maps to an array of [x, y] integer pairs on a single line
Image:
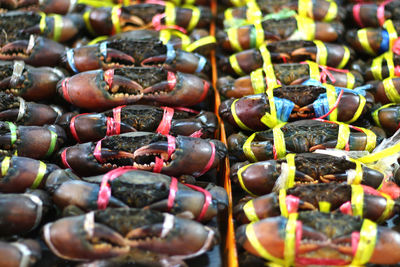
{"points": [[315, 161], [107, 147]]}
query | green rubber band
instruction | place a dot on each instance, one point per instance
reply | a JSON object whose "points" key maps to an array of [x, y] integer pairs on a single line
{"points": [[52, 143], [39, 177]]}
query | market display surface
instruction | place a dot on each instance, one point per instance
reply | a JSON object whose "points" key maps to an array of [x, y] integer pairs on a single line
{"points": [[199, 133]]}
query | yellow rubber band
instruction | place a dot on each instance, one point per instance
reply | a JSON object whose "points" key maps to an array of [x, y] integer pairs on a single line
{"points": [[86, 18], [98, 39], [345, 59], [307, 27], [259, 32], [235, 65], [5, 164], [366, 244], [201, 42], [247, 148], [253, 12], [359, 172], [40, 174], [371, 139], [279, 142], [304, 8], [381, 154], [194, 20], [290, 240], [322, 52], [240, 178], [165, 36], [228, 15], [266, 56], [282, 203], [388, 209], [238, 3], [375, 114], [96, 3], [170, 14], [257, 81], [332, 97], [332, 12], [391, 91], [388, 25], [250, 211], [58, 25], [313, 70], [376, 67], [351, 80], [233, 39], [359, 110], [115, 19], [255, 243], [270, 75], [343, 136], [42, 23], [357, 200], [236, 118], [292, 170], [324, 206], [363, 38], [389, 62]]}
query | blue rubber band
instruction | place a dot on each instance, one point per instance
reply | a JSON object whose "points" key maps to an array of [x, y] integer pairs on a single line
{"points": [[385, 42], [171, 53], [71, 61], [283, 108], [201, 64], [103, 49]]}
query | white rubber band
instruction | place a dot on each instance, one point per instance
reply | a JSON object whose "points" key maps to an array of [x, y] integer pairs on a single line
{"points": [[18, 68], [21, 110], [71, 7], [39, 212], [25, 254], [88, 224], [167, 225], [203, 249], [31, 43], [58, 111]]}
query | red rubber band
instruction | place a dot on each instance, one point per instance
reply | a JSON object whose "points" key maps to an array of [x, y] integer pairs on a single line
{"points": [[156, 21], [356, 15], [158, 165], [64, 158], [207, 200], [206, 87], [346, 208], [117, 118], [171, 78], [105, 190], [165, 125], [97, 152], [292, 203], [274, 152], [64, 85], [73, 129], [347, 146], [197, 134], [210, 161], [173, 188], [396, 50], [110, 126], [370, 190], [334, 106], [299, 235], [355, 239], [109, 77], [187, 110], [171, 145]]}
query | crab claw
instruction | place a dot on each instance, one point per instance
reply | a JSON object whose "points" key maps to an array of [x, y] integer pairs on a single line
{"points": [[81, 238], [37, 51], [99, 90], [92, 57], [24, 251]]}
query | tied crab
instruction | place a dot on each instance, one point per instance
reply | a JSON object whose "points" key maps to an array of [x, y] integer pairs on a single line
{"points": [[374, 14], [265, 176], [132, 118], [317, 238], [354, 200], [145, 151], [100, 90], [384, 66], [326, 54], [295, 102], [387, 117], [300, 137], [123, 53], [386, 91], [114, 232], [146, 190]]}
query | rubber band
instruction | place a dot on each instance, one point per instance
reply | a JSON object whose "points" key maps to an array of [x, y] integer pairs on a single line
{"points": [[282, 203], [247, 148], [363, 38], [290, 239], [250, 211], [72, 4], [366, 244], [359, 110], [96, 3], [351, 80], [371, 138], [190, 47], [253, 12], [89, 27], [238, 3], [234, 39], [313, 69], [357, 179], [103, 49], [115, 16], [170, 14], [18, 68], [376, 67], [72, 127], [207, 200], [343, 136], [389, 62], [236, 117], [58, 25], [270, 119], [165, 125], [391, 30], [356, 15], [97, 152], [380, 12], [388, 208], [304, 8], [390, 90], [64, 85], [332, 99], [331, 14], [375, 114], [13, 132], [265, 54], [98, 40], [194, 20], [228, 15], [255, 243], [168, 224], [39, 176], [42, 23], [25, 254], [64, 158], [240, 178], [235, 65], [104, 194], [258, 31], [117, 119], [257, 81], [71, 60], [279, 142], [5, 165], [21, 109], [209, 163], [307, 27], [322, 52], [201, 64], [345, 59], [173, 188], [53, 142], [206, 88], [292, 170], [324, 206], [357, 200]]}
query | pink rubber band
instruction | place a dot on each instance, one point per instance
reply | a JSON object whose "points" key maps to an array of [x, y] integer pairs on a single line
{"points": [[355, 239], [346, 208], [292, 203], [64, 158], [73, 129], [158, 165], [380, 12], [173, 188], [187, 110], [396, 50], [207, 200], [171, 78], [197, 134], [356, 15], [210, 161], [171, 145], [64, 85], [158, 26], [97, 152], [206, 87]]}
